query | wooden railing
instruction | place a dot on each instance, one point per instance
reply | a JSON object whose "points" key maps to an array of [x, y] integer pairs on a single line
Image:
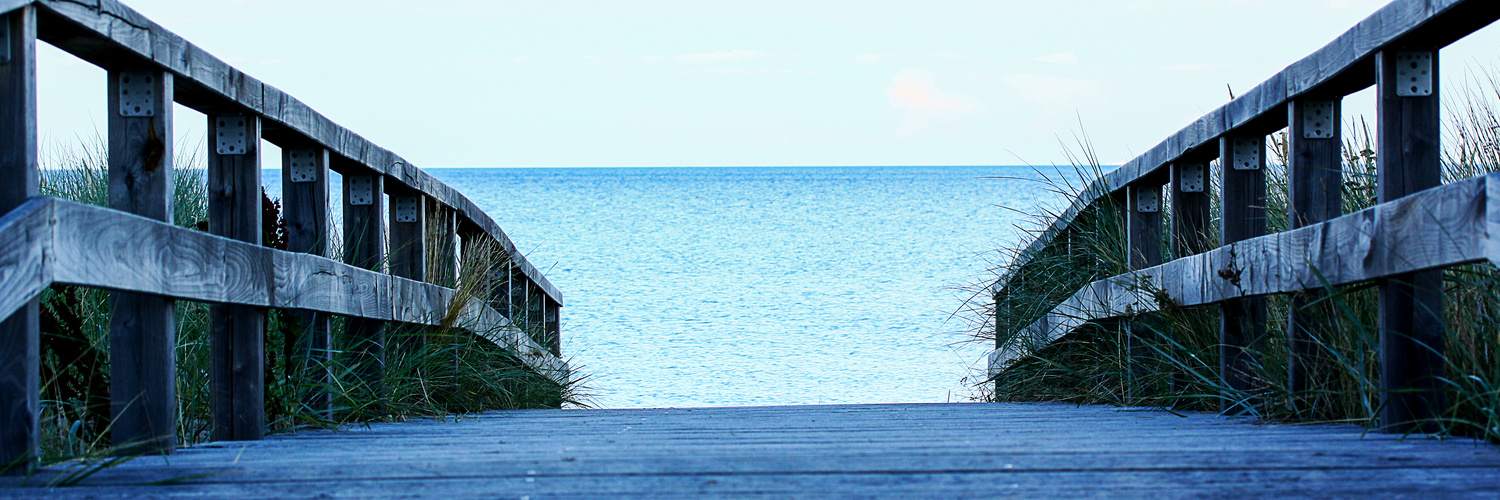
{"points": [[1417, 227], [132, 249]]}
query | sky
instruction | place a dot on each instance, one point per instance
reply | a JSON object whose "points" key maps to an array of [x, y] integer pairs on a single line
{"points": [[765, 83]]}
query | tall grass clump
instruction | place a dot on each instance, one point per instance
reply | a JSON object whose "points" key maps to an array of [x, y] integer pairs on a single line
{"points": [[450, 369], [1180, 367]]}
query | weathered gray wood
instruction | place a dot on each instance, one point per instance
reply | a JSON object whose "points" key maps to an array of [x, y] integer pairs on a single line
{"points": [[304, 205], [408, 254], [236, 333], [57, 241], [108, 33], [1190, 211], [552, 325], [1314, 194], [364, 247], [1341, 67], [143, 371], [1143, 227], [1242, 215], [1411, 305], [1453, 224], [947, 450], [19, 331]]}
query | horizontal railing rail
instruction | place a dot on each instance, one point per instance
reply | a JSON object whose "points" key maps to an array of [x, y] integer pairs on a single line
{"points": [[406, 236], [1417, 227]]}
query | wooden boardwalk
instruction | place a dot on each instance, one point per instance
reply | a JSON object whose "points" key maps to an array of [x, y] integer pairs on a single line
{"points": [[905, 450]]}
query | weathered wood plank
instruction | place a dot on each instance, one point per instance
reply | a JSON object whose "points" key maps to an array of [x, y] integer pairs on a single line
{"points": [[1444, 226], [143, 393], [862, 450], [1314, 194], [1343, 66], [1411, 305], [236, 333], [20, 363], [69, 243], [110, 34]]}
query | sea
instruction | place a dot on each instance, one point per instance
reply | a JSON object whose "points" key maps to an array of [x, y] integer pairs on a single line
{"points": [[718, 286]]}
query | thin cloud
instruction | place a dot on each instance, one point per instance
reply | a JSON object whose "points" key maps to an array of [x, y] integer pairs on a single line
{"points": [[1060, 58], [915, 93]]}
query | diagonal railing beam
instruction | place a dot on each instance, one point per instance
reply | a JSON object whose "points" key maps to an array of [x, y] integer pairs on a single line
{"points": [[56, 241], [1457, 223]]}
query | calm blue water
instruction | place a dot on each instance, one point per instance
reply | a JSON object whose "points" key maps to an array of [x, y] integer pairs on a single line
{"points": [[753, 286]]}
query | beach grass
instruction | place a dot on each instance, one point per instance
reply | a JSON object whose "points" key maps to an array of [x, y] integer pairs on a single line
{"points": [[1093, 365], [446, 371]]}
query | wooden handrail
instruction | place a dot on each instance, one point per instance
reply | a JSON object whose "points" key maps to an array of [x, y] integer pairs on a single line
{"points": [[1342, 67], [69, 243], [1454, 224], [147, 263], [1416, 229], [110, 34]]}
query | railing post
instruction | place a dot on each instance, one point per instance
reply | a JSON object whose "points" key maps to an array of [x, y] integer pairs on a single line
{"points": [[142, 329], [304, 204], [1314, 194], [364, 246], [1242, 215], [20, 366], [1143, 225], [1190, 204], [1411, 305], [408, 247], [408, 250], [1190, 217], [236, 333], [552, 324]]}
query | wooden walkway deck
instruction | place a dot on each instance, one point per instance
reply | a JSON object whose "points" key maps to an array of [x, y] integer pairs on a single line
{"points": [[925, 450]]}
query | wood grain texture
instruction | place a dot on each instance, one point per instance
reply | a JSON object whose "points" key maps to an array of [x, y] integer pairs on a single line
{"points": [[1143, 225], [1343, 66], [905, 450], [1314, 194], [408, 238], [63, 242], [1242, 215], [364, 247], [1439, 227], [108, 34], [236, 333], [20, 362], [1411, 305], [143, 376], [304, 203]]}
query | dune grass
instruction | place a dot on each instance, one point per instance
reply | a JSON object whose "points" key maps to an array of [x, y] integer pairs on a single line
{"points": [[445, 371], [1091, 364]]}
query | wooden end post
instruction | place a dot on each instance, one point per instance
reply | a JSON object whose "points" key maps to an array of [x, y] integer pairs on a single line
{"points": [[1314, 194], [1242, 321], [20, 366], [142, 329], [236, 333], [364, 246], [1411, 305], [304, 204], [1143, 221]]}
